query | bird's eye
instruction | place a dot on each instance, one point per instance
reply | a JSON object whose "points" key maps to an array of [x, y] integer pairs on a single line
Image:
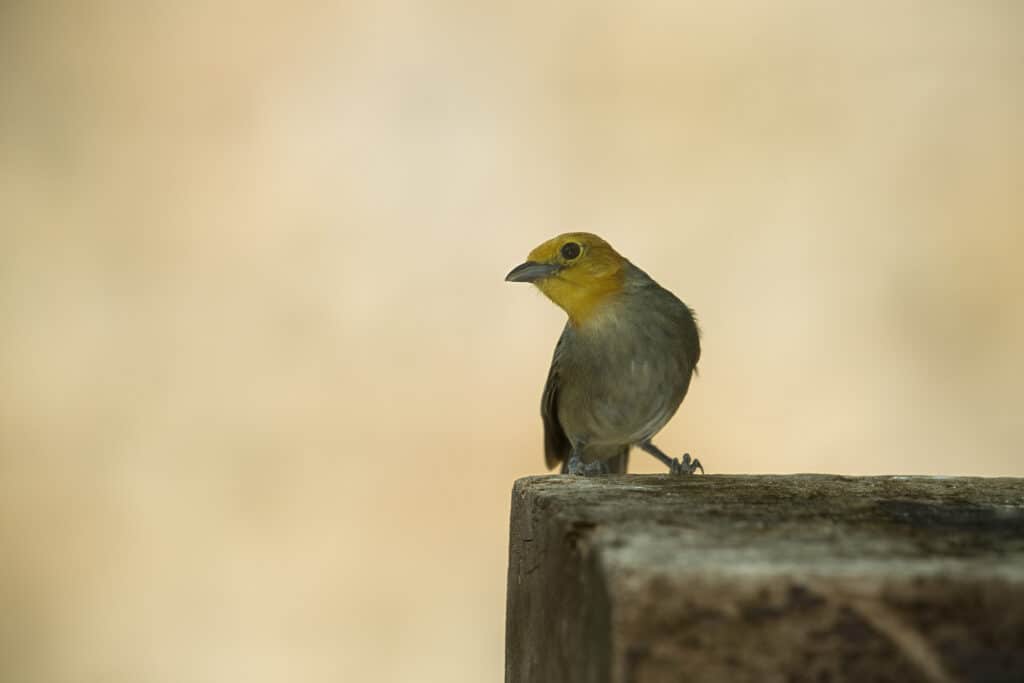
{"points": [[570, 250]]}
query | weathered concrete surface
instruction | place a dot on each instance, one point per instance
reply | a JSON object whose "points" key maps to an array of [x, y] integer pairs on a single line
{"points": [[637, 579]]}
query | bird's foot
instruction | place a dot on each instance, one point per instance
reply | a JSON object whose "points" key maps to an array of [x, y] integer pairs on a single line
{"points": [[586, 469], [687, 465]]}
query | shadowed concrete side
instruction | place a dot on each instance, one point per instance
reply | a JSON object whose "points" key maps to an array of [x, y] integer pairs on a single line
{"points": [[643, 579]]}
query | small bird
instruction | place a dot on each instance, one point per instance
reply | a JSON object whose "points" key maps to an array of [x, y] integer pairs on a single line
{"points": [[623, 363]]}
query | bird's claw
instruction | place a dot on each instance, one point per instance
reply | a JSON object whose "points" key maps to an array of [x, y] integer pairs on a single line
{"points": [[687, 465], [583, 469]]}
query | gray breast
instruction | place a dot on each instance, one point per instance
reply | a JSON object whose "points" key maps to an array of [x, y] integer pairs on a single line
{"points": [[625, 375]]}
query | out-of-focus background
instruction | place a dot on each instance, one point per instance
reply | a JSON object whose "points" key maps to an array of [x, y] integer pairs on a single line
{"points": [[263, 391]]}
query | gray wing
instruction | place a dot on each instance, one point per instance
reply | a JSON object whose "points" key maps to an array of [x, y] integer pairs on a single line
{"points": [[556, 443]]}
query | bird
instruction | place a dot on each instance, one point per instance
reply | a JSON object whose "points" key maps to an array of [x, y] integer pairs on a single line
{"points": [[623, 362]]}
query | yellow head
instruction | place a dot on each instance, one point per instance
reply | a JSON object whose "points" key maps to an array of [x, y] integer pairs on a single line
{"points": [[577, 270]]}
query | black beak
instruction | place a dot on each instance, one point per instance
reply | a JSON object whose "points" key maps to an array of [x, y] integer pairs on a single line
{"points": [[531, 271]]}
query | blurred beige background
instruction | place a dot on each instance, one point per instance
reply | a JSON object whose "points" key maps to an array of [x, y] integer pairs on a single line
{"points": [[264, 391]]}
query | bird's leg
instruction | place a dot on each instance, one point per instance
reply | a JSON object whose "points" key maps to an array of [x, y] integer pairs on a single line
{"points": [[687, 465], [577, 467]]}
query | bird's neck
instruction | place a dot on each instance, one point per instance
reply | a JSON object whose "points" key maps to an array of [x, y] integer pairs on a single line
{"points": [[582, 302]]}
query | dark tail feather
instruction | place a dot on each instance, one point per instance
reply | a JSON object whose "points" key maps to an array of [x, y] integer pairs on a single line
{"points": [[616, 464]]}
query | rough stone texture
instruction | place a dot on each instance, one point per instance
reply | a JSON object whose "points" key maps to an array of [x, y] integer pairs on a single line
{"points": [[637, 579]]}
